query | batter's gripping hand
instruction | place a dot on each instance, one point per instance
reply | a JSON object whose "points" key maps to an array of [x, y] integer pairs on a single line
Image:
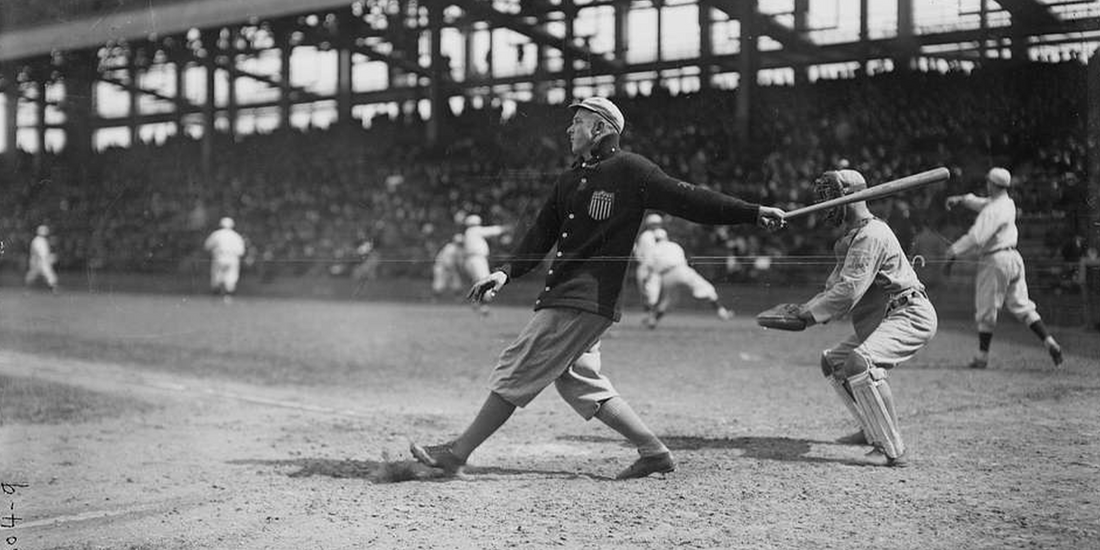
{"points": [[783, 317], [771, 218], [485, 290]]}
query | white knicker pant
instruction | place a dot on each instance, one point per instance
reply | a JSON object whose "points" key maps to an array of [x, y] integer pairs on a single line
{"points": [[659, 288], [445, 277], [1000, 281], [224, 274], [899, 335], [41, 268]]}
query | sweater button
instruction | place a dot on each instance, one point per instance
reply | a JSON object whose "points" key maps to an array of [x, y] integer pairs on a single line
{"points": [[547, 289], [559, 254], [551, 272], [564, 235], [571, 216]]}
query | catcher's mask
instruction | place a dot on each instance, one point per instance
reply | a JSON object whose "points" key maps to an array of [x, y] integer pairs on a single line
{"points": [[834, 184]]}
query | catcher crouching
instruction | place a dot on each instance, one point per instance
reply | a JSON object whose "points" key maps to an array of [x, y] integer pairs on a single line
{"points": [[874, 282]]}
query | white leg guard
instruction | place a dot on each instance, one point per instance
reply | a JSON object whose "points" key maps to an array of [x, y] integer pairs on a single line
{"points": [[846, 398], [879, 425]]}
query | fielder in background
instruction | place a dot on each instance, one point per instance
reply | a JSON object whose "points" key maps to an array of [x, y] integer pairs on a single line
{"points": [[670, 272], [41, 261], [1000, 279], [643, 244], [592, 215], [226, 247], [476, 250], [447, 269], [875, 284]]}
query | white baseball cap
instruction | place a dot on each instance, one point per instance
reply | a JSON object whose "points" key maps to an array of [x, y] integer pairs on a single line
{"points": [[999, 177], [473, 219], [226, 223], [42, 230], [654, 219], [606, 109]]}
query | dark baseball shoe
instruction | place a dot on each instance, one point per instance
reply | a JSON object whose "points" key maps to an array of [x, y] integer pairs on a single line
{"points": [[646, 465], [898, 462], [437, 456], [978, 363], [857, 438], [1055, 352]]}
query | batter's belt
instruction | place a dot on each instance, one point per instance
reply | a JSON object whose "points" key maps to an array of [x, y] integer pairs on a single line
{"points": [[904, 297], [666, 270], [996, 250]]}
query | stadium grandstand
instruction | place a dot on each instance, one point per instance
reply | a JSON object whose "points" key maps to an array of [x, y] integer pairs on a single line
{"points": [[131, 126]]}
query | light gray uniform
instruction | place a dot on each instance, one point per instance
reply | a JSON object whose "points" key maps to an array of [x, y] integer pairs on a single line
{"points": [[1000, 280], [875, 283]]}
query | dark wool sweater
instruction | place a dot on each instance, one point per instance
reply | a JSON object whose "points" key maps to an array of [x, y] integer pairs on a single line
{"points": [[593, 216]]}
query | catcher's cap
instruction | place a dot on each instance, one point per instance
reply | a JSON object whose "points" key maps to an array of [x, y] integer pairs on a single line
{"points": [[654, 219], [606, 109], [226, 223], [660, 234], [999, 177], [42, 231], [473, 219], [851, 180]]}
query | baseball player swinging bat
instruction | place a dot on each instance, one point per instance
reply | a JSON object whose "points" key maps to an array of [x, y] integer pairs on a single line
{"points": [[892, 187]]}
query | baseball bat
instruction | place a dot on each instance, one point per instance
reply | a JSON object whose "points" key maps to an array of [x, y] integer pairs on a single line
{"points": [[892, 187]]}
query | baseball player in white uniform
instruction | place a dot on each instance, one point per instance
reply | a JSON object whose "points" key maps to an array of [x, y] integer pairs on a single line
{"points": [[643, 243], [40, 263], [226, 247], [873, 283], [447, 269], [670, 271], [1000, 279], [476, 250]]}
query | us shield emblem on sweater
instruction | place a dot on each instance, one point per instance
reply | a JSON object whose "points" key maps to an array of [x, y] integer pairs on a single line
{"points": [[601, 204]]}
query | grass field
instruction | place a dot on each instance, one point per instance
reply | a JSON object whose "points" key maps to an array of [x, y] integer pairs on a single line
{"points": [[172, 421]]}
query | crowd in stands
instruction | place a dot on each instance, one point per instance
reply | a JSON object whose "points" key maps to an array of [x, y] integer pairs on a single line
{"points": [[307, 201]]}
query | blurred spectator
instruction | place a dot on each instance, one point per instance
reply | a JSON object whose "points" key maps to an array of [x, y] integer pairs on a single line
{"points": [[304, 193], [41, 261]]}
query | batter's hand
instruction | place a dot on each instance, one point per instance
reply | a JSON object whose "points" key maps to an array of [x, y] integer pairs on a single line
{"points": [[952, 201], [485, 290], [771, 218]]}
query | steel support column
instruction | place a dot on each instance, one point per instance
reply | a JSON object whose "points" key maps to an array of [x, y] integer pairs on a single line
{"points": [[181, 94], [9, 79], [903, 59], [40, 82], [80, 71], [622, 39], [864, 36], [747, 63], [286, 49], [133, 95], [568, 69], [344, 63], [231, 103], [435, 86], [209, 114], [706, 44], [801, 25]]}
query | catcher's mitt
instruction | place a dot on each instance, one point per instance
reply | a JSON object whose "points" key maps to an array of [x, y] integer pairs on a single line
{"points": [[782, 317]]}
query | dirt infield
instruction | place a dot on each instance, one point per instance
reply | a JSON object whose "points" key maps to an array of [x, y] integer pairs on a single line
{"points": [[144, 421]]}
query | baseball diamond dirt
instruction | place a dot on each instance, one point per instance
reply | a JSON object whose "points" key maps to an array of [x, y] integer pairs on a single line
{"points": [[173, 422]]}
